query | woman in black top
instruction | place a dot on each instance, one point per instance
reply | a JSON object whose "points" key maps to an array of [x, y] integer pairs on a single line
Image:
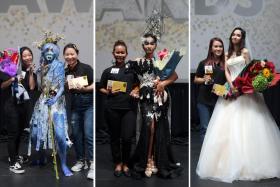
{"points": [[29, 82], [206, 99], [120, 109], [16, 115], [81, 109]]}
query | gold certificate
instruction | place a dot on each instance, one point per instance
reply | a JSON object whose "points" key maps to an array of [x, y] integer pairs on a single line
{"points": [[77, 82], [116, 86], [219, 90]]}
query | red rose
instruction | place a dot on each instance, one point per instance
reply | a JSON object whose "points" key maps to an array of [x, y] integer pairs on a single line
{"points": [[162, 54]]}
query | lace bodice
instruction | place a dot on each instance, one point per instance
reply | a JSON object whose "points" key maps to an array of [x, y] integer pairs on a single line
{"points": [[235, 66]]}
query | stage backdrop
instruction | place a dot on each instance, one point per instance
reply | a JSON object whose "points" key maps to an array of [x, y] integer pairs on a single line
{"points": [[125, 20], [22, 22], [217, 18]]}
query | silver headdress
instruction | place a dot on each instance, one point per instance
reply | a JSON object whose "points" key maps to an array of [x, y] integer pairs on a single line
{"points": [[155, 24]]}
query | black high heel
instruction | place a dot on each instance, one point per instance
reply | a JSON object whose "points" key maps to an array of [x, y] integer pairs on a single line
{"points": [[117, 173]]}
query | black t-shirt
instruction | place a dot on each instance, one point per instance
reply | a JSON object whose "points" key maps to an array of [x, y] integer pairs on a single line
{"points": [[25, 83], [120, 100], [205, 95], [79, 70], [6, 93], [11, 108]]}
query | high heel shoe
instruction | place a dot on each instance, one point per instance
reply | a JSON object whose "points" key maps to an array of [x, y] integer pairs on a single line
{"points": [[153, 167], [118, 170], [126, 171], [148, 171], [117, 173]]}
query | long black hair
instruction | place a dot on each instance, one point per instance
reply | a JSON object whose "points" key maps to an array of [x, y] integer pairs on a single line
{"points": [[22, 49], [241, 44]]}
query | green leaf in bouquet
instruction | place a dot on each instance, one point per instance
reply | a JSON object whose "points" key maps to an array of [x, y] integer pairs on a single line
{"points": [[260, 83]]}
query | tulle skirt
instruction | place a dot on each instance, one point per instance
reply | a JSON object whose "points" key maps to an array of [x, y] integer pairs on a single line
{"points": [[242, 142]]}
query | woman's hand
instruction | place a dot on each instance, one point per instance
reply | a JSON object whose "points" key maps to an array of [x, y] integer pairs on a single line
{"points": [[156, 81], [109, 91], [263, 63], [80, 88], [7, 83], [207, 78], [232, 87], [135, 93], [160, 88], [32, 69], [20, 78], [115, 92], [51, 101]]}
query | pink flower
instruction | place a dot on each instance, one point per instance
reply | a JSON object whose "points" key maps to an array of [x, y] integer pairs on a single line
{"points": [[162, 54]]}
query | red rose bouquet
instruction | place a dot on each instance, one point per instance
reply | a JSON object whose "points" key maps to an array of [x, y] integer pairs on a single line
{"points": [[166, 62], [9, 61], [257, 76]]}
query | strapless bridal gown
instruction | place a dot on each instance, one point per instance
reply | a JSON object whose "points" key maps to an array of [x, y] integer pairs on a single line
{"points": [[242, 141]]}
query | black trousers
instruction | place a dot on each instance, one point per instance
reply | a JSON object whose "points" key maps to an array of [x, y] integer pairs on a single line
{"points": [[15, 122], [122, 124]]}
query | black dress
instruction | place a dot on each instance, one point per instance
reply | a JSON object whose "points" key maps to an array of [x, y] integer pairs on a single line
{"points": [[150, 111]]}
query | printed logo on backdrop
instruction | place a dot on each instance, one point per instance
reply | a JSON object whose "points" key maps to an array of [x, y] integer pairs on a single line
{"points": [[135, 10], [251, 7], [126, 19], [217, 18], [33, 5]]}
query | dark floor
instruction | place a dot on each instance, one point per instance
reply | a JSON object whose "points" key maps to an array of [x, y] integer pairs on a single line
{"points": [[105, 177], [196, 182], [35, 176]]}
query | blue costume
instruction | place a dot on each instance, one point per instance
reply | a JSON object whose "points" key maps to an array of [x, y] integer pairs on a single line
{"points": [[52, 87]]}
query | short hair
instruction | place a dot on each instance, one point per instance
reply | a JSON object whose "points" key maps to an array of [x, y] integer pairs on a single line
{"points": [[71, 45], [120, 43]]}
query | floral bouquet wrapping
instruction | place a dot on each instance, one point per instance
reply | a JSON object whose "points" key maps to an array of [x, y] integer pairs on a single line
{"points": [[225, 91], [9, 64], [257, 76], [9, 61], [165, 65], [167, 62]]}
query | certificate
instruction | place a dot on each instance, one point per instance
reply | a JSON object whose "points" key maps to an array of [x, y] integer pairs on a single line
{"points": [[219, 90], [116, 86], [75, 83]]}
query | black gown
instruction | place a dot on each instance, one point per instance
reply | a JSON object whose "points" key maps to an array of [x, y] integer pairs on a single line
{"points": [[150, 110]]}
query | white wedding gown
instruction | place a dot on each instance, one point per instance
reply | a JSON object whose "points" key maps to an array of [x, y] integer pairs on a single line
{"points": [[242, 141]]}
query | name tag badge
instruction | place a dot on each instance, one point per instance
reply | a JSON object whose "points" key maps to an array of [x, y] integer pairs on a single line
{"points": [[115, 70]]}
